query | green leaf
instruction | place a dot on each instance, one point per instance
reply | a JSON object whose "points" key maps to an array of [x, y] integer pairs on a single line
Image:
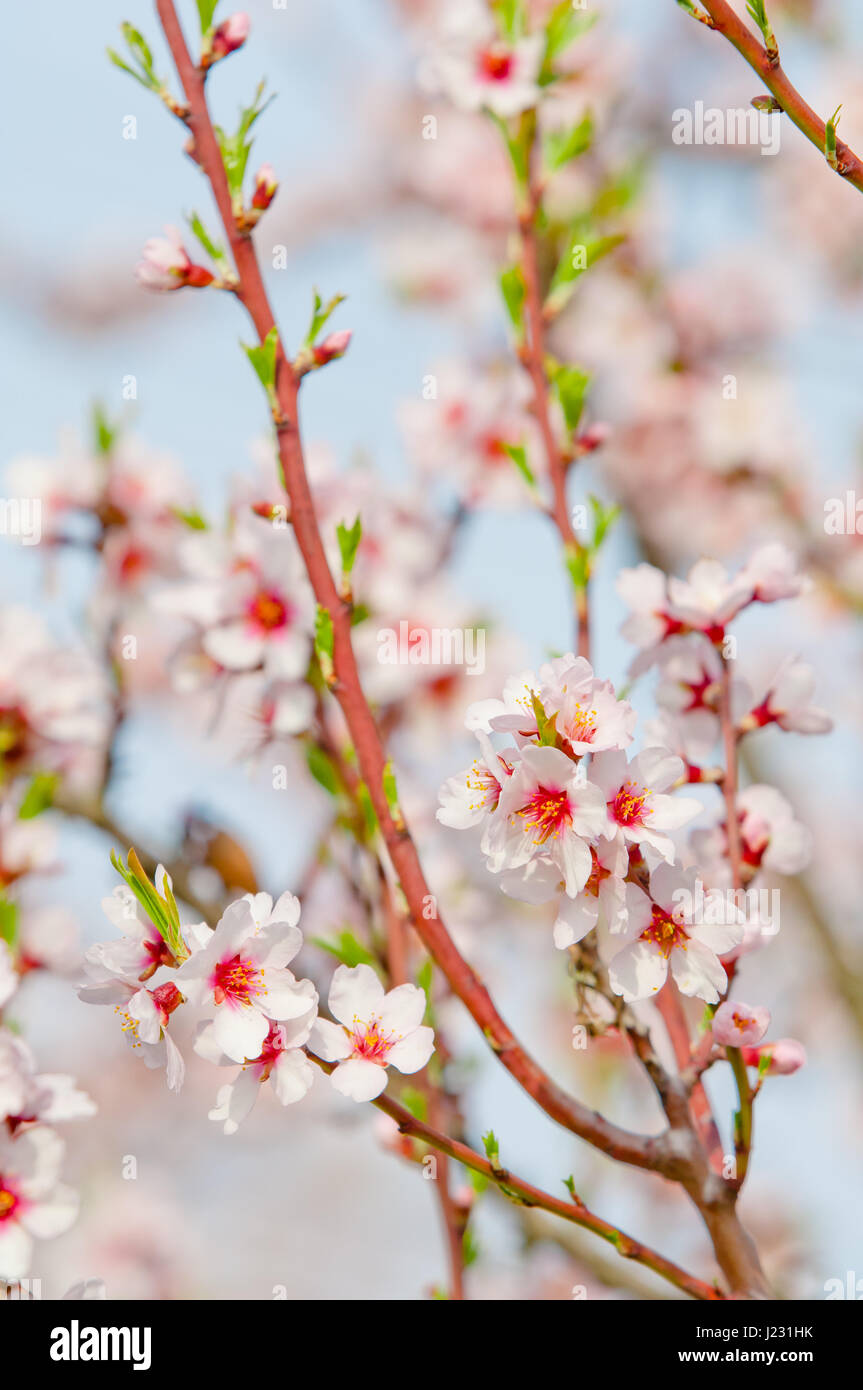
{"points": [[469, 1248], [755, 9], [213, 249], [324, 639], [511, 17], [206, 10], [518, 144], [424, 977], [8, 921], [492, 1148], [390, 788], [263, 359], [236, 148], [346, 948], [570, 384], [415, 1101], [545, 725], [603, 519], [370, 815], [830, 139], [104, 433], [323, 769], [138, 48], [560, 146], [193, 519], [161, 910], [565, 25], [518, 454], [578, 257], [349, 538], [321, 312], [577, 559], [150, 84], [513, 290], [38, 796]]}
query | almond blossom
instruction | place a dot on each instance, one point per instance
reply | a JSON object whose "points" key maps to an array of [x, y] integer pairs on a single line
{"points": [[29, 1097], [471, 797], [637, 807], [661, 934], [282, 1062], [771, 837], [784, 1057], [34, 1205], [547, 807], [475, 67], [374, 1030], [240, 976], [787, 702]]}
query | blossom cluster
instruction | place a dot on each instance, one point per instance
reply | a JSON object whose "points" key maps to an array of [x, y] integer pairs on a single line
{"points": [[252, 1012], [568, 815]]}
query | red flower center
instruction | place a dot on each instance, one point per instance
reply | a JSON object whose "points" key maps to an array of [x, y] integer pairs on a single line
{"points": [[627, 808], [370, 1042], [664, 932], [496, 63], [237, 981], [548, 811], [269, 611]]}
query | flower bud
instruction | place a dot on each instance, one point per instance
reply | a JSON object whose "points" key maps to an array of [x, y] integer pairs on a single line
{"points": [[786, 1056], [740, 1025], [334, 345], [266, 185], [230, 35], [166, 265]]}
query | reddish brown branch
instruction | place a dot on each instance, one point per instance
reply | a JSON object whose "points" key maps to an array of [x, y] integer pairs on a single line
{"points": [[643, 1152], [727, 23], [516, 1189]]}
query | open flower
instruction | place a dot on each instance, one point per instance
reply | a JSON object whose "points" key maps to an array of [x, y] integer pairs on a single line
{"points": [[475, 67], [33, 1204], [471, 797], [788, 702], [28, 1097], [281, 1062], [547, 808], [662, 932], [604, 892], [587, 712], [736, 1024], [374, 1031], [240, 973], [8, 974], [637, 807], [166, 264]]}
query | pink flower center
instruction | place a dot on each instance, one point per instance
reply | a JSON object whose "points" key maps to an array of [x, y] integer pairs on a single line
{"points": [[237, 981], [664, 932], [548, 811], [8, 1202], [496, 63], [268, 611], [627, 808], [486, 786], [370, 1043], [581, 728]]}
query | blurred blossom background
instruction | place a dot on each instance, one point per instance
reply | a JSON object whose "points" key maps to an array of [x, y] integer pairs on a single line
{"points": [[735, 265]]}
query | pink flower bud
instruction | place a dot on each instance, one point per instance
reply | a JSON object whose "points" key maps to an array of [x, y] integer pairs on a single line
{"points": [[740, 1025], [593, 437], [335, 345], [786, 1056], [230, 35], [266, 184], [166, 265]]}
